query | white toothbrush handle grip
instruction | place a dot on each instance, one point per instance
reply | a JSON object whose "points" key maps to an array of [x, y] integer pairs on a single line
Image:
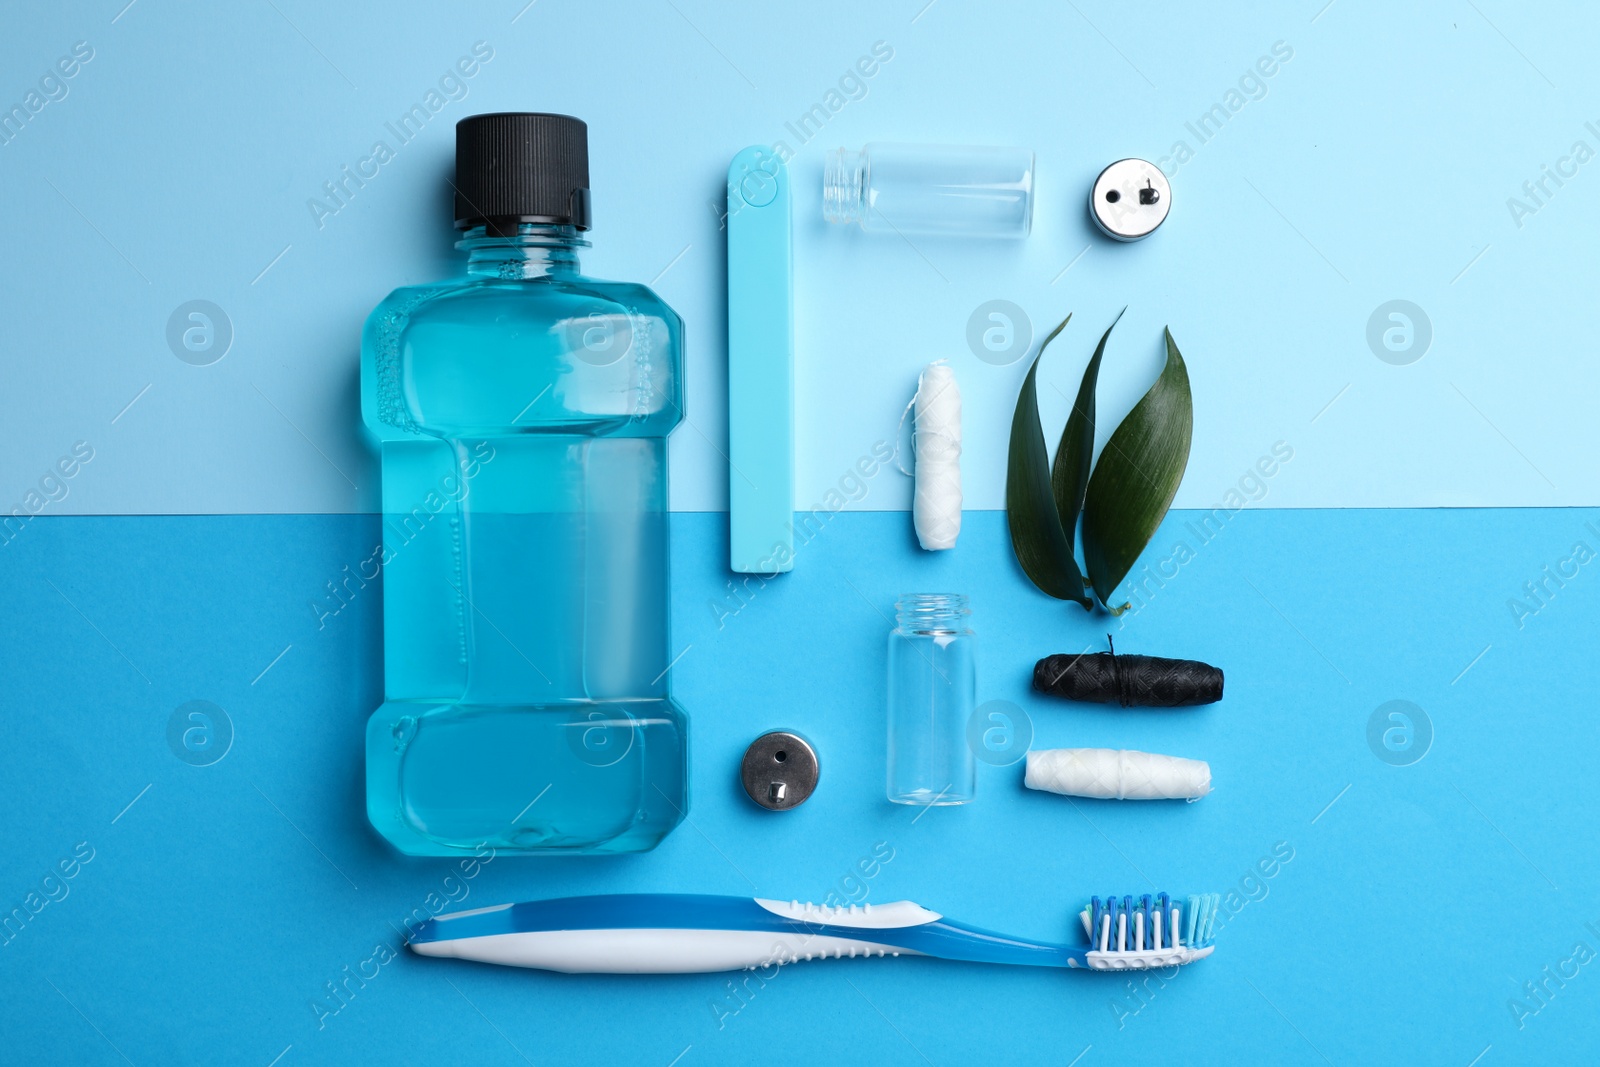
{"points": [[636, 951]]}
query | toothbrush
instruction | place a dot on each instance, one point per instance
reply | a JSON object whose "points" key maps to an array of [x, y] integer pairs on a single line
{"points": [[666, 933]]}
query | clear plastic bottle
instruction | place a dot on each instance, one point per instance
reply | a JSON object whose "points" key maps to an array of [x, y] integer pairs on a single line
{"points": [[522, 412], [933, 685], [944, 190]]}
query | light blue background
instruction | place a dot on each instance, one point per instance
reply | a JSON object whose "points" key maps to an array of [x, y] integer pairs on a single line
{"points": [[1376, 167]]}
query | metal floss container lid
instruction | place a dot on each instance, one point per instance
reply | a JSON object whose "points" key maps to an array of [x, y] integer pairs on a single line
{"points": [[1130, 199], [779, 770]]}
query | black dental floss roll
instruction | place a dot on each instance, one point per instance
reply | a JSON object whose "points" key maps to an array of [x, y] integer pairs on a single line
{"points": [[1132, 681]]}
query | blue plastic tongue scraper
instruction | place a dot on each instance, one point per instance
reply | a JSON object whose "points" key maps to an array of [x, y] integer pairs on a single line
{"points": [[760, 364]]}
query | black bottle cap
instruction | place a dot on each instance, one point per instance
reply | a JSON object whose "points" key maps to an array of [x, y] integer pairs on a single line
{"points": [[518, 166]]}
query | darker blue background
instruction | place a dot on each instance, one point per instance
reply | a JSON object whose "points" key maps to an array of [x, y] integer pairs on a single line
{"points": [[219, 904]]}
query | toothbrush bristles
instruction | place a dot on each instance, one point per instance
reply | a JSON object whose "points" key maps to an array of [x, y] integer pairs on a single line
{"points": [[1202, 919], [1155, 923]]}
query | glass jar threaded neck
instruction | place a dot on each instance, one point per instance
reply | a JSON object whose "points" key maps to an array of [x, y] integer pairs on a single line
{"points": [[844, 181], [932, 612]]}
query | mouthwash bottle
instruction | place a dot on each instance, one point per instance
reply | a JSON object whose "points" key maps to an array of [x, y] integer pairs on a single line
{"points": [[522, 411]]}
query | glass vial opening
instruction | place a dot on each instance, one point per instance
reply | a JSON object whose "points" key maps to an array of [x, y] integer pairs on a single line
{"points": [[844, 186], [932, 613]]}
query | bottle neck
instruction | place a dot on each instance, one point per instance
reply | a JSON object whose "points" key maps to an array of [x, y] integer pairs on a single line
{"points": [[844, 186], [535, 250], [932, 613]]}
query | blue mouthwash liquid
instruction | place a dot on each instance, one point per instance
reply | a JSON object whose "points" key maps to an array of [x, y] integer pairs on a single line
{"points": [[522, 411]]}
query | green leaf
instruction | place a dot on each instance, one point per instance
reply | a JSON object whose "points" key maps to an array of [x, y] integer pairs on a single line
{"points": [[1069, 477], [1137, 477], [1043, 548]]}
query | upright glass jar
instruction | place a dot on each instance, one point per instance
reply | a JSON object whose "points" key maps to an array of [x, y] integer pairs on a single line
{"points": [[933, 686]]}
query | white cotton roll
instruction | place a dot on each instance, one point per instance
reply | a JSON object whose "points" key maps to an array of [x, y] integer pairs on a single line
{"points": [[1110, 774], [936, 511]]}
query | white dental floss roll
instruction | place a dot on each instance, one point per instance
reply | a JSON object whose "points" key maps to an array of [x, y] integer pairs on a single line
{"points": [[1110, 774], [936, 426]]}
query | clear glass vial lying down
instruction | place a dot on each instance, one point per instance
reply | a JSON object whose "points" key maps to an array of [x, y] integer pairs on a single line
{"points": [[933, 686], [939, 190], [522, 411]]}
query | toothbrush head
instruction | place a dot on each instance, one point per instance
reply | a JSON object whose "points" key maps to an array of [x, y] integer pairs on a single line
{"points": [[1151, 931]]}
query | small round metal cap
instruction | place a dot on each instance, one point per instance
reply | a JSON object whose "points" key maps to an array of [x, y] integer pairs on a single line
{"points": [[779, 770], [1130, 199]]}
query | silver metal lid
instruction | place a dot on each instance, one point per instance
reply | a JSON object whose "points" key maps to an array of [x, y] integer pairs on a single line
{"points": [[779, 770], [1130, 199]]}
